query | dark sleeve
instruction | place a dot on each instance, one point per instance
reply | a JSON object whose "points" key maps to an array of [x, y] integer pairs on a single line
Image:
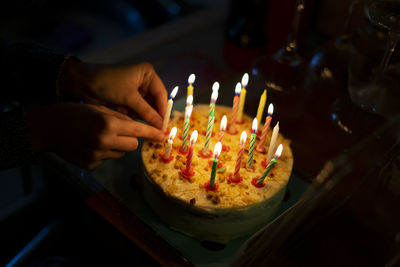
{"points": [[15, 146], [29, 72], [28, 75]]}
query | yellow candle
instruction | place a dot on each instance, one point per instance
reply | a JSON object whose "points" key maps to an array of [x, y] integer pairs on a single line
{"points": [[191, 79], [261, 106], [245, 80]]}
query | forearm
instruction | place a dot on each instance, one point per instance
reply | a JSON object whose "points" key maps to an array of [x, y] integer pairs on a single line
{"points": [[29, 73]]}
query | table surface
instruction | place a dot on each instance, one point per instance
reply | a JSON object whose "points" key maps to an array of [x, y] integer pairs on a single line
{"points": [[192, 44]]}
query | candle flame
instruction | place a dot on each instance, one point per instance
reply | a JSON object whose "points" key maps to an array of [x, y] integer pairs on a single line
{"points": [[278, 152], [189, 100], [215, 86], [188, 111], [193, 137], [214, 96], [172, 134], [238, 88], [270, 109], [223, 123], [191, 79], [245, 79], [254, 126], [174, 92], [217, 149], [243, 138]]}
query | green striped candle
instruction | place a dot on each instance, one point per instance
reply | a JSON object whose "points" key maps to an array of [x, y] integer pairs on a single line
{"points": [[271, 165], [252, 144], [186, 127], [209, 132]]}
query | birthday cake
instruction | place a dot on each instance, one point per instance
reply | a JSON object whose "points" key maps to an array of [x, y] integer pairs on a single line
{"points": [[230, 209]]}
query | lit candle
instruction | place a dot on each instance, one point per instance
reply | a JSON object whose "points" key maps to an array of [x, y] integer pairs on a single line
{"points": [[260, 147], [214, 97], [232, 125], [261, 106], [189, 156], [189, 102], [222, 129], [210, 126], [245, 80], [217, 151], [272, 143], [169, 108], [252, 144], [191, 79], [236, 174], [271, 165], [169, 144], [186, 127]]}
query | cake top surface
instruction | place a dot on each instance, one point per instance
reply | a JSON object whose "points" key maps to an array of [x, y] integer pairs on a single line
{"points": [[229, 195]]}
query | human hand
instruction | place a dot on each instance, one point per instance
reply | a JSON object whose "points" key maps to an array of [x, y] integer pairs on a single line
{"points": [[134, 89], [85, 134]]}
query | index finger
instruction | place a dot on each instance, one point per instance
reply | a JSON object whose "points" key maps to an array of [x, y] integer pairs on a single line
{"points": [[138, 129]]}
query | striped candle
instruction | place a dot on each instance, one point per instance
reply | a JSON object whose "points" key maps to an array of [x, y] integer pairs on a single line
{"points": [[252, 144], [243, 138], [209, 132], [189, 156], [186, 127], [271, 164], [232, 125], [268, 119], [214, 97], [169, 144], [222, 129]]}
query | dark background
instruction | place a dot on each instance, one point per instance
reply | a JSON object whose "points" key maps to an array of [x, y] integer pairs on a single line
{"points": [[27, 204]]}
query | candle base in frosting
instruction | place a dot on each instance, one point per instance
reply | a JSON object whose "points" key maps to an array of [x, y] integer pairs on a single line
{"points": [[211, 188], [232, 132], [255, 184], [183, 152], [184, 173], [235, 180], [205, 156], [226, 148], [166, 160]]}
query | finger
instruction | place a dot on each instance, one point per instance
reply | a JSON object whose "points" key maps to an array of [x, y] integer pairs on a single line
{"points": [[124, 143], [146, 112], [156, 90], [138, 129]]}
